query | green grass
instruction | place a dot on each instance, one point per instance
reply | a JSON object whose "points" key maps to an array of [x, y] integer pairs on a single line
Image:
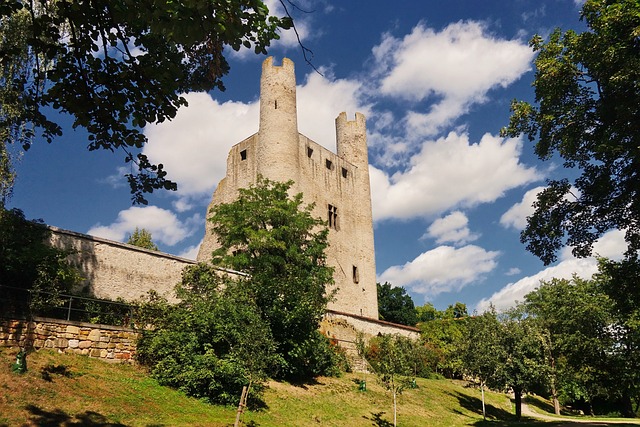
{"points": [[66, 390]]}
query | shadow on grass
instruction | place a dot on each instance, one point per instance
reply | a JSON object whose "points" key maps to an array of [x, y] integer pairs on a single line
{"points": [[304, 383], [57, 417], [473, 404], [377, 419]]}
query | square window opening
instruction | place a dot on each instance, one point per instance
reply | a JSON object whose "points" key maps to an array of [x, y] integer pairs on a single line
{"points": [[309, 152], [345, 172], [243, 155]]}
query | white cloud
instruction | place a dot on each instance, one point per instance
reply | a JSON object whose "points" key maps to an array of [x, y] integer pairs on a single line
{"points": [[517, 214], [508, 296], [513, 271], [193, 147], [191, 252], [451, 229], [457, 66], [321, 100], [448, 173], [163, 225], [611, 245], [442, 269]]}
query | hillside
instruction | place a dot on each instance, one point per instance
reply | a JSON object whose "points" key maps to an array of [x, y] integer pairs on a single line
{"points": [[65, 390]]}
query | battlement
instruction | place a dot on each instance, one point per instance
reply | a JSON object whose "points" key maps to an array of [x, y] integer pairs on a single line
{"points": [[351, 139]]}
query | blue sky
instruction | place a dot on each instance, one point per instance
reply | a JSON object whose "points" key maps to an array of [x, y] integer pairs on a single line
{"points": [[433, 78]]}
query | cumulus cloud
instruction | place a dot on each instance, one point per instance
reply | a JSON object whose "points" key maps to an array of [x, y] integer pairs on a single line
{"points": [[508, 296], [448, 173], [451, 229], [457, 66], [611, 245], [517, 214], [443, 269], [191, 252], [163, 225], [193, 146]]}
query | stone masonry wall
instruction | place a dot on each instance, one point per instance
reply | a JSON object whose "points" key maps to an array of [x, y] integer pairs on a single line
{"points": [[117, 270], [110, 343]]}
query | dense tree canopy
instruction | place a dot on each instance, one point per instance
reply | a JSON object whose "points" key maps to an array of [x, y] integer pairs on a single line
{"points": [[274, 238], [588, 113], [395, 305], [116, 66]]}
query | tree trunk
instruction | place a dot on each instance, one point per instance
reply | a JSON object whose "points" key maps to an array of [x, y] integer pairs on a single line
{"points": [[626, 408], [517, 393], [484, 413], [394, 408]]}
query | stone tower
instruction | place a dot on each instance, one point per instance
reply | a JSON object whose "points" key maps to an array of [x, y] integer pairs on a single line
{"points": [[338, 184]]}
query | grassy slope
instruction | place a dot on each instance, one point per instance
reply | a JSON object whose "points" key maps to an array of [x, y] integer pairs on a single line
{"points": [[83, 391]]}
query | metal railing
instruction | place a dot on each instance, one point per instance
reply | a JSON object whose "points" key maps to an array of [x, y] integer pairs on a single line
{"points": [[22, 302]]}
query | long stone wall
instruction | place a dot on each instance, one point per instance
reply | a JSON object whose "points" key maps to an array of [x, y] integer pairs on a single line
{"points": [[117, 270], [116, 344]]}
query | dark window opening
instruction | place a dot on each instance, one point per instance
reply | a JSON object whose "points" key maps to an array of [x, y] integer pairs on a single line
{"points": [[309, 152], [243, 155], [356, 275], [333, 217], [345, 173], [329, 164], [275, 103]]}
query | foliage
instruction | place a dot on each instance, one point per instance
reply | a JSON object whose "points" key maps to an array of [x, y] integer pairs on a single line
{"points": [[587, 89], [571, 319], [393, 359], [519, 359], [212, 343], [28, 263], [426, 312], [619, 281], [117, 67], [142, 239], [274, 239], [395, 305], [446, 335]]}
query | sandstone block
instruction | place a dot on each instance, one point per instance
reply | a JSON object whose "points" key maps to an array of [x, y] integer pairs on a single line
{"points": [[74, 343], [85, 344], [94, 335]]}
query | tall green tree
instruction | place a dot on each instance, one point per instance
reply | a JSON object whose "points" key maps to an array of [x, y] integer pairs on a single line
{"points": [[275, 240], [571, 320], [482, 348], [142, 239], [116, 67], [395, 305], [619, 281], [520, 358], [588, 113]]}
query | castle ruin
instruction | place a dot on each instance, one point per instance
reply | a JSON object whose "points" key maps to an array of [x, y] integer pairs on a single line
{"points": [[338, 184]]}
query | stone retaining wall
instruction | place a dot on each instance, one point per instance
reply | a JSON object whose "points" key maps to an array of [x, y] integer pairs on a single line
{"points": [[111, 343]]}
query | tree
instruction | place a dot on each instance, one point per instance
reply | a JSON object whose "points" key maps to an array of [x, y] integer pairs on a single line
{"points": [[447, 332], [426, 312], [142, 239], [390, 356], [33, 274], [395, 305], [520, 358], [571, 319], [115, 67], [588, 113], [213, 342], [619, 281], [275, 240], [481, 350]]}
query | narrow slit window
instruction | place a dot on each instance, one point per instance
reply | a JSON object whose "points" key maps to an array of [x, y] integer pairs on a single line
{"points": [[356, 275], [333, 217], [329, 164], [275, 104], [309, 152], [243, 155], [345, 173]]}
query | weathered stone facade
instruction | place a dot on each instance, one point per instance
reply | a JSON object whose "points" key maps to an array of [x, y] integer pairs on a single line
{"points": [[106, 342], [338, 184], [116, 270]]}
